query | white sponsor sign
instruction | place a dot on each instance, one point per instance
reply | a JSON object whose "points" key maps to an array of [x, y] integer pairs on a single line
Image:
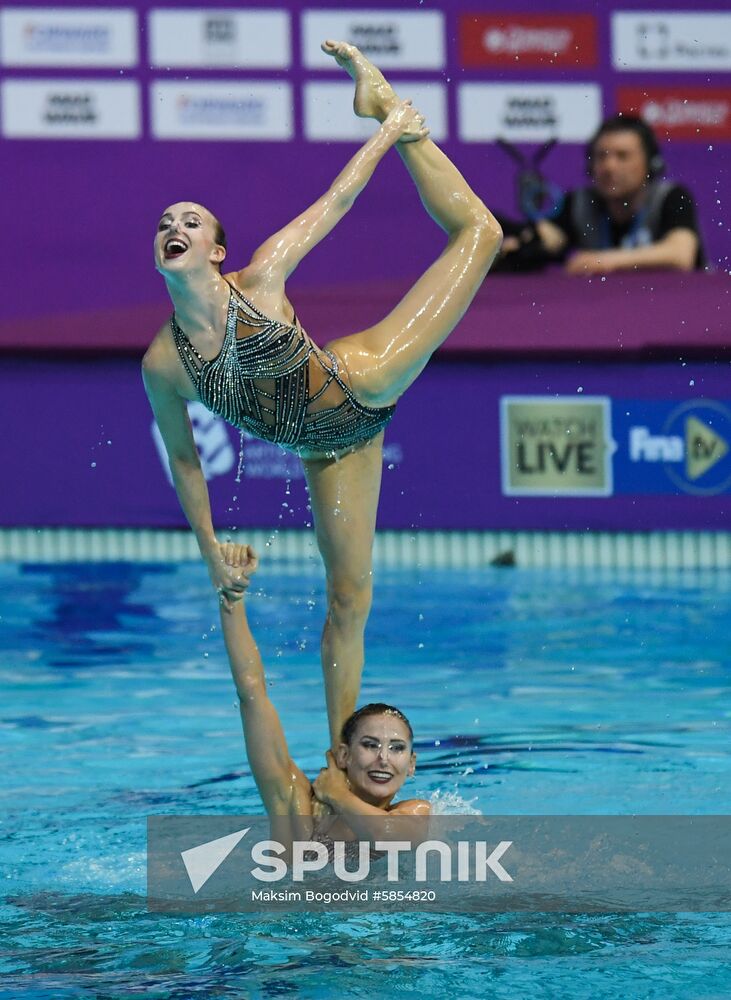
{"points": [[528, 112], [70, 109], [258, 39], [660, 40], [329, 116], [78, 36], [231, 109], [391, 38]]}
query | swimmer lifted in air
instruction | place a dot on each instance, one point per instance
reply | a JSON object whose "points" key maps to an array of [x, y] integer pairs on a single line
{"points": [[235, 344]]}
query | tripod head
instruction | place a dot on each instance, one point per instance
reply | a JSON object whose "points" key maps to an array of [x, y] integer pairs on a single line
{"points": [[537, 196]]}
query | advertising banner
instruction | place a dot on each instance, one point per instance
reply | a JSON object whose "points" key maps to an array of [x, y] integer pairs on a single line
{"points": [[472, 446], [533, 112], [515, 41], [691, 114], [328, 111], [660, 40], [230, 109], [82, 36], [393, 38], [220, 38], [70, 109]]}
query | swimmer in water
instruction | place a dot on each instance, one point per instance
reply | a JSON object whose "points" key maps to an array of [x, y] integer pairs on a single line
{"points": [[373, 758], [235, 343]]}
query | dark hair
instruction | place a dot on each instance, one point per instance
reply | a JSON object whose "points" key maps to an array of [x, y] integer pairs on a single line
{"points": [[376, 708], [630, 123], [219, 233]]}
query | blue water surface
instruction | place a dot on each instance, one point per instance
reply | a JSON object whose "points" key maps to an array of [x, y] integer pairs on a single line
{"points": [[529, 691]]}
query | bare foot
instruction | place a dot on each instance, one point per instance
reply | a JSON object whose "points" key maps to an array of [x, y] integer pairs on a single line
{"points": [[374, 95]]}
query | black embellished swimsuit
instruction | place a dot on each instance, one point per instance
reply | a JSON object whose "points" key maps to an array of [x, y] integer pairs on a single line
{"points": [[270, 379]]}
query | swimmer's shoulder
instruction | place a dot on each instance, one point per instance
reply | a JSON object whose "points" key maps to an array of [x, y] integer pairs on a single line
{"points": [[161, 356], [265, 293], [411, 807]]}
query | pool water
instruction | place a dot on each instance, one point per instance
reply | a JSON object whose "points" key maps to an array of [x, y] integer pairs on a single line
{"points": [[529, 691]]}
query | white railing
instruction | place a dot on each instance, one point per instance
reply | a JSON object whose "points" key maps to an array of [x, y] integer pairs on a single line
{"points": [[458, 549]]}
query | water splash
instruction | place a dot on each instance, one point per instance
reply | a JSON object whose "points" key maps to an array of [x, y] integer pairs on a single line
{"points": [[446, 803], [240, 466]]}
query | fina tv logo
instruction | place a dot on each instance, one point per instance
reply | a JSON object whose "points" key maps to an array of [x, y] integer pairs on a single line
{"points": [[693, 446]]}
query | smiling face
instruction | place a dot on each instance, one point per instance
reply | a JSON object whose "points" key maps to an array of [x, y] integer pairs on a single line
{"points": [[187, 239], [378, 759], [619, 165]]}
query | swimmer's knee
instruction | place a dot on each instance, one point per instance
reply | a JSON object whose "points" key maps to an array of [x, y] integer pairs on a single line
{"points": [[349, 601], [377, 387]]}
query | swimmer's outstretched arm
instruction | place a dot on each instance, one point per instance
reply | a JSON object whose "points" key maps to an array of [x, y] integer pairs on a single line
{"points": [[274, 260], [283, 787]]}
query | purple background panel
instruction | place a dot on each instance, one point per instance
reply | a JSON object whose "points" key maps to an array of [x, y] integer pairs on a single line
{"points": [[82, 452]]}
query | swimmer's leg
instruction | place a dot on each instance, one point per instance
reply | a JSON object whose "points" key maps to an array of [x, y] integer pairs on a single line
{"points": [[344, 498], [385, 359]]}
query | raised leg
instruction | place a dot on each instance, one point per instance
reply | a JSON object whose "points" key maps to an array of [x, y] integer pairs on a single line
{"points": [[385, 359], [344, 497]]}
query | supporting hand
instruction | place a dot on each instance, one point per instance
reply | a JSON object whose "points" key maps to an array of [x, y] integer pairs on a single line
{"points": [[231, 566], [406, 123], [331, 784]]}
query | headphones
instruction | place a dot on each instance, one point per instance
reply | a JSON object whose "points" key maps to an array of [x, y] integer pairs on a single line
{"points": [[630, 123]]}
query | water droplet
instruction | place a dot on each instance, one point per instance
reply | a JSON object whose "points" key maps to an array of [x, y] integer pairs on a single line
{"points": [[580, 389], [240, 466], [391, 466]]}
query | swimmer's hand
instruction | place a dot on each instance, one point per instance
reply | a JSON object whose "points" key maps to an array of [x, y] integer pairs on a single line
{"points": [[231, 566], [405, 123], [332, 783]]}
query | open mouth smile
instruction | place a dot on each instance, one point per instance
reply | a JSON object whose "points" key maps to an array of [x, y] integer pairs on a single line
{"points": [[381, 777], [174, 247]]}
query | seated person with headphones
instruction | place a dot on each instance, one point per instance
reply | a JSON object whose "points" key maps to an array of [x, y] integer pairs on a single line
{"points": [[629, 218]]}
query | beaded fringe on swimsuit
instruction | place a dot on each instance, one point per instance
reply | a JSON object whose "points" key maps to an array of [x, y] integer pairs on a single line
{"points": [[261, 382]]}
